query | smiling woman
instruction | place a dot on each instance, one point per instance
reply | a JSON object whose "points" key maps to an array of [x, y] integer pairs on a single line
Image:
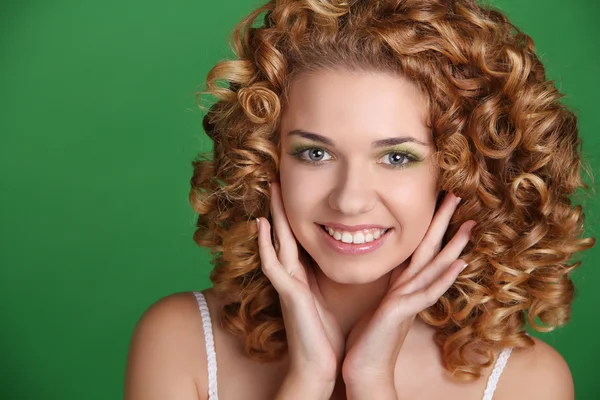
{"points": [[374, 170], [386, 208]]}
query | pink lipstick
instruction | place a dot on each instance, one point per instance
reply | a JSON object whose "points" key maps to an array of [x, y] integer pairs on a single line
{"points": [[352, 248]]}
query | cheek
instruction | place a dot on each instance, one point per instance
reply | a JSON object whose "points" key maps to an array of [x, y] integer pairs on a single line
{"points": [[298, 191], [413, 202]]}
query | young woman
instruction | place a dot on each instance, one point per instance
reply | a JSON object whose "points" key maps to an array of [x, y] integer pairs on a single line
{"points": [[388, 203]]}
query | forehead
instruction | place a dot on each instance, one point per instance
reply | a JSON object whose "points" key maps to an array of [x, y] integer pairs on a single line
{"points": [[368, 104]]}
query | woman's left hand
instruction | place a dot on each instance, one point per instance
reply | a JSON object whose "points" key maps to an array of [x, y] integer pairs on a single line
{"points": [[372, 350]]}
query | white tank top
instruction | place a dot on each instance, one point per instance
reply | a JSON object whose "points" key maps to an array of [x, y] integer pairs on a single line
{"points": [[212, 356]]}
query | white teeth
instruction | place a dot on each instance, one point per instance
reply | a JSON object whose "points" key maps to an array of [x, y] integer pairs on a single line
{"points": [[347, 237], [360, 237]]}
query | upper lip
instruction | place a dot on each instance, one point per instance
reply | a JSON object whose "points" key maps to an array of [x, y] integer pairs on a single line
{"points": [[353, 228]]}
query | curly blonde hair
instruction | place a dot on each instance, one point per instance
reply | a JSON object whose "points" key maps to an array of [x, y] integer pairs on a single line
{"points": [[504, 143]]}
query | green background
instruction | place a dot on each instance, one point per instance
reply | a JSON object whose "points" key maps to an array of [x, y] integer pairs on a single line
{"points": [[98, 128]]}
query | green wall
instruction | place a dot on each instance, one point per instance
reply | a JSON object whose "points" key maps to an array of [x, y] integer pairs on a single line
{"points": [[98, 128]]}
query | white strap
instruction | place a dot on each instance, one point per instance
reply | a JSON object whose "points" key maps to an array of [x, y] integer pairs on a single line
{"points": [[495, 375], [209, 341]]}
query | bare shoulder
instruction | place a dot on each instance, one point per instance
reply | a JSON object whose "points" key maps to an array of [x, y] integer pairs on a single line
{"points": [[167, 357], [539, 372]]}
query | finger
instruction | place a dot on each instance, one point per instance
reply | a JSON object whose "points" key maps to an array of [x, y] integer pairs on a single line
{"points": [[271, 267], [428, 296], [431, 242], [435, 233], [442, 261], [288, 249], [274, 229], [311, 280]]}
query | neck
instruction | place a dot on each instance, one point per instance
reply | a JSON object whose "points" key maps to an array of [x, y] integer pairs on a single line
{"points": [[349, 302]]}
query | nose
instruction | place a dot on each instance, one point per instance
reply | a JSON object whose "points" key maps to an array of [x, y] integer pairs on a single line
{"points": [[353, 192]]}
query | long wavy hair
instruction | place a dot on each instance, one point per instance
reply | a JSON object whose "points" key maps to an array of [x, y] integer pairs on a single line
{"points": [[504, 143]]}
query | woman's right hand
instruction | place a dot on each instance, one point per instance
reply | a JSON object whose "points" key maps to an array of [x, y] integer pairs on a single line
{"points": [[315, 340]]}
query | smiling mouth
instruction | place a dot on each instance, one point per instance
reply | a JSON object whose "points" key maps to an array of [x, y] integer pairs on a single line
{"points": [[359, 237]]}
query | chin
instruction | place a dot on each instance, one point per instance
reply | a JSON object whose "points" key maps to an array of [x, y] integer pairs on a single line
{"points": [[352, 273]]}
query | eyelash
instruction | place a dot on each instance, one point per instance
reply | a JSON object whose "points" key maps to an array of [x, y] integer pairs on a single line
{"points": [[298, 154]]}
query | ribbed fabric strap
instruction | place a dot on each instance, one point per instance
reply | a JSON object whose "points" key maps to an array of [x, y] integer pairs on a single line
{"points": [[209, 341], [495, 375]]}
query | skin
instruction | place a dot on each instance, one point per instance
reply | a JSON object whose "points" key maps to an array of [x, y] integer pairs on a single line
{"points": [[354, 182], [351, 324], [357, 184]]}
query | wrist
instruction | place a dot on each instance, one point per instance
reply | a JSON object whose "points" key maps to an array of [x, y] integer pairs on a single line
{"points": [[360, 376], [304, 385], [381, 389]]}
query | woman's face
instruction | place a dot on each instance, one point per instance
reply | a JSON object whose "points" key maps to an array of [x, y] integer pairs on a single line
{"points": [[357, 176]]}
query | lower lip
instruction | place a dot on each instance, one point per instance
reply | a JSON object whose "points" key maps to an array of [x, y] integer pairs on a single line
{"points": [[351, 248]]}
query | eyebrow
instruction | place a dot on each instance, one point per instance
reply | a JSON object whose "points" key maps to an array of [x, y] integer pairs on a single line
{"points": [[393, 141]]}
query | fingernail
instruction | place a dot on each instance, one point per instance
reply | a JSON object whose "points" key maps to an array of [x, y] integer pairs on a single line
{"points": [[257, 223], [458, 199], [463, 267]]}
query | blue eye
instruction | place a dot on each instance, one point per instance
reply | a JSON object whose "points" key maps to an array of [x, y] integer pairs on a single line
{"points": [[312, 155], [396, 159], [317, 155]]}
